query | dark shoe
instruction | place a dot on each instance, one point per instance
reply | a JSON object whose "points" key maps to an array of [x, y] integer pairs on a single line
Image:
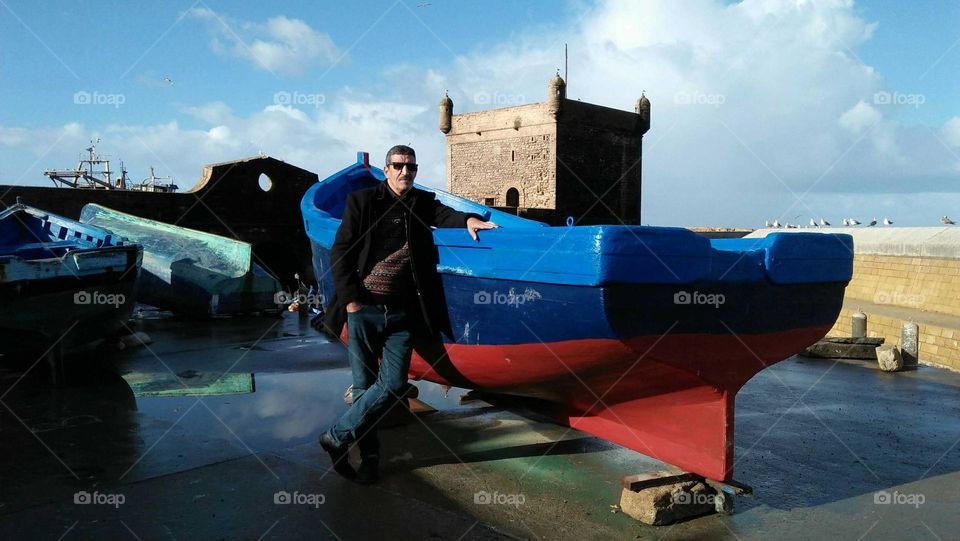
{"points": [[338, 455], [368, 473]]}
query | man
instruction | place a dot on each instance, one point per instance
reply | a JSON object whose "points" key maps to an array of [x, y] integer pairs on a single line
{"points": [[388, 291]]}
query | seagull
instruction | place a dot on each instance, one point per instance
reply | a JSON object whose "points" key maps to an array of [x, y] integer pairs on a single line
{"points": [[887, 221], [946, 221], [792, 226], [776, 223], [846, 222], [824, 223], [813, 223], [853, 221], [168, 80], [873, 222], [767, 224]]}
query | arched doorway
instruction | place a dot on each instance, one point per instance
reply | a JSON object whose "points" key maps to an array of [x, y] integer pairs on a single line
{"points": [[513, 197]]}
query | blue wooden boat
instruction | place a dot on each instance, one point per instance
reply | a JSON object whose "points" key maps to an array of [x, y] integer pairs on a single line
{"points": [[639, 335], [62, 283], [189, 271]]}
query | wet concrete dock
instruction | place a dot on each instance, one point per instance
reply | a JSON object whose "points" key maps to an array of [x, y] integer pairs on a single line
{"points": [[832, 449]]}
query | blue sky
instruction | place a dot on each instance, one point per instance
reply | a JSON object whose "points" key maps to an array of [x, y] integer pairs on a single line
{"points": [[139, 44], [761, 109]]}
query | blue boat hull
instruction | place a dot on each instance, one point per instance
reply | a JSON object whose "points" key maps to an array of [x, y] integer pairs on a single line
{"points": [[62, 283]]}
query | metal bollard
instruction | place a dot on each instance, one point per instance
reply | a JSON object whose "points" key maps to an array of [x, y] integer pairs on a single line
{"points": [[909, 344], [858, 324]]}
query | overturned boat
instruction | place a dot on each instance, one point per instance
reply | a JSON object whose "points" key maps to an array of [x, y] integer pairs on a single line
{"points": [[641, 336], [62, 283], [190, 271]]}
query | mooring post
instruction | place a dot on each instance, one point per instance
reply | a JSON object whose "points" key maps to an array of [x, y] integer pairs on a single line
{"points": [[858, 324], [909, 344]]}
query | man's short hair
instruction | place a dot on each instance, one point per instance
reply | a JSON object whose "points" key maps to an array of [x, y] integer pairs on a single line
{"points": [[400, 150]]}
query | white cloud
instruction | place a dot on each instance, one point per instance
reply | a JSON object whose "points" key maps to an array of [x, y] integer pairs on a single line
{"points": [[860, 117], [212, 113], [279, 45], [951, 131]]}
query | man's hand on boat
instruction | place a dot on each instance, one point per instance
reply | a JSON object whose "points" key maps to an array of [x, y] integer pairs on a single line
{"points": [[474, 225]]}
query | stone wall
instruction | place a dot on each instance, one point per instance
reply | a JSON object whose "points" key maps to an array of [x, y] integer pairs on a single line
{"points": [[904, 274], [923, 283], [489, 152], [599, 153], [485, 170]]}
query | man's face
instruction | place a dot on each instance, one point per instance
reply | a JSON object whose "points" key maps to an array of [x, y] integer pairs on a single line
{"points": [[400, 180]]}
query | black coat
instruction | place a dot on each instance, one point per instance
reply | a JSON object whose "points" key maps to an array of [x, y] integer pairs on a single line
{"points": [[351, 261]]}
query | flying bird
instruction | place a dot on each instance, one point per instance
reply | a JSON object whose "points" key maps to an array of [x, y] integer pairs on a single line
{"points": [[946, 221], [168, 80], [887, 221], [873, 222], [824, 223]]}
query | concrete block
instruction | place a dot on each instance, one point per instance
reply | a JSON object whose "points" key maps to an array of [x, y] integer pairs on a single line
{"points": [[888, 356], [844, 348], [661, 504]]}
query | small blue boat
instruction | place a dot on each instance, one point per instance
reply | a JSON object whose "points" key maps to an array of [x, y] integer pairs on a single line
{"points": [[62, 283], [639, 335]]}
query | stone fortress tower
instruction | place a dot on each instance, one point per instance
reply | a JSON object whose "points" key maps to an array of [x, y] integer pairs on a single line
{"points": [[549, 160]]}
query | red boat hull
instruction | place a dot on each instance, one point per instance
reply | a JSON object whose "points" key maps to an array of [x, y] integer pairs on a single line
{"points": [[669, 397]]}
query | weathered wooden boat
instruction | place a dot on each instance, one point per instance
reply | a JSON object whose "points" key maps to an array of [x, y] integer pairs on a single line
{"points": [[190, 271], [639, 335], [62, 283]]}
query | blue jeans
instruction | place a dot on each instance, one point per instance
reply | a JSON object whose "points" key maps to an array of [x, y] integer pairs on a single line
{"points": [[375, 332]]}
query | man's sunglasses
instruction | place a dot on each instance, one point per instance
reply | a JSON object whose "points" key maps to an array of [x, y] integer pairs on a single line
{"points": [[398, 166]]}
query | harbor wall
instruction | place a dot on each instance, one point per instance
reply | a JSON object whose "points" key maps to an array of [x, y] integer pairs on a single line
{"points": [[904, 274]]}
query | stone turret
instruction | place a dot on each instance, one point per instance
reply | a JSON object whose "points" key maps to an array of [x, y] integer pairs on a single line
{"points": [[446, 113], [642, 108], [556, 93]]}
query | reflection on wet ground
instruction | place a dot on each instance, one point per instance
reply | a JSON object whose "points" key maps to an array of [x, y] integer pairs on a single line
{"points": [[200, 430]]}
